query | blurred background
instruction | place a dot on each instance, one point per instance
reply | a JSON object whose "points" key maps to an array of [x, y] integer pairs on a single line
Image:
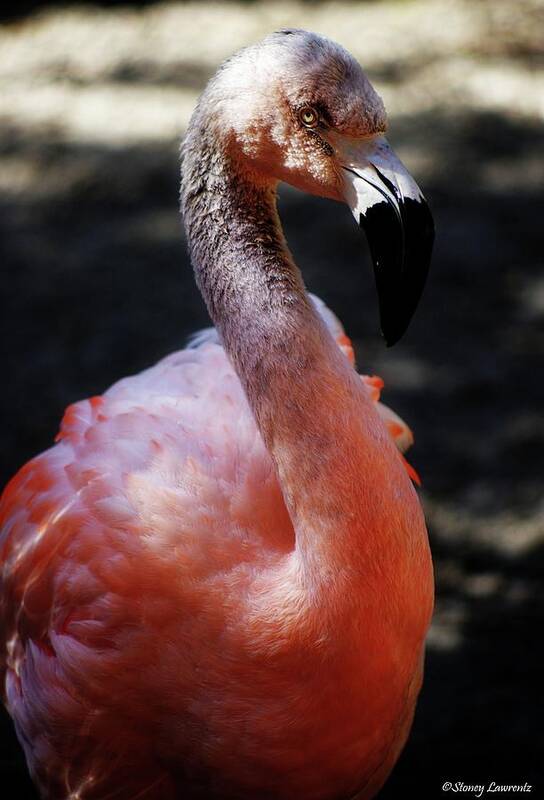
{"points": [[96, 284]]}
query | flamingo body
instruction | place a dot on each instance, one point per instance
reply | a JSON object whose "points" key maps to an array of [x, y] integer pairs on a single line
{"points": [[129, 551]]}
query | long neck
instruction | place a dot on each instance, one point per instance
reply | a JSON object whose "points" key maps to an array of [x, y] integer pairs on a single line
{"points": [[341, 477]]}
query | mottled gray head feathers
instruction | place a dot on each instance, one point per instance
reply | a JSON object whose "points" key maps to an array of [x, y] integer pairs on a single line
{"points": [[255, 101], [304, 68]]}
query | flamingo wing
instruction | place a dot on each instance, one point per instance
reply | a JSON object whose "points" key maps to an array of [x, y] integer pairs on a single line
{"points": [[155, 495]]}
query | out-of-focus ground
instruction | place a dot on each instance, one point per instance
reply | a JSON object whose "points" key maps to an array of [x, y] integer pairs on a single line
{"points": [[96, 284]]}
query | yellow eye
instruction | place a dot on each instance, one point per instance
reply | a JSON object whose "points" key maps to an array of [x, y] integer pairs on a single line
{"points": [[308, 116]]}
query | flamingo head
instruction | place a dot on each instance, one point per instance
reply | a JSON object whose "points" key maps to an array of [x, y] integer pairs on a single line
{"points": [[298, 108]]}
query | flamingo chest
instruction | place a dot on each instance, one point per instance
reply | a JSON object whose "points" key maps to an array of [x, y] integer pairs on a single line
{"points": [[305, 719]]}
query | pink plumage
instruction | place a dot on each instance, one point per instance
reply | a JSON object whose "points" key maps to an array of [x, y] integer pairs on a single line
{"points": [[118, 544]]}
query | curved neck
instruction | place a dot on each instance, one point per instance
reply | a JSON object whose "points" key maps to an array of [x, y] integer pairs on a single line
{"points": [[340, 474]]}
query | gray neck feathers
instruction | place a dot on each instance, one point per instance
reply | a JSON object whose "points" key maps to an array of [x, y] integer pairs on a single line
{"points": [[253, 290], [241, 262]]}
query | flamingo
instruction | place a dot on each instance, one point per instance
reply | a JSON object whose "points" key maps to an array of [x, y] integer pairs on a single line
{"points": [[217, 583]]}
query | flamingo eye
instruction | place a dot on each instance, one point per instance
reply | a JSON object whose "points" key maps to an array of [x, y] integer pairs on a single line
{"points": [[308, 116]]}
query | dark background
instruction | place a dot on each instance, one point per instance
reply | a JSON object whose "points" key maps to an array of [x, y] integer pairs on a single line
{"points": [[96, 284]]}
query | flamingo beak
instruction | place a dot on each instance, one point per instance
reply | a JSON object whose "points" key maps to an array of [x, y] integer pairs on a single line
{"points": [[390, 208]]}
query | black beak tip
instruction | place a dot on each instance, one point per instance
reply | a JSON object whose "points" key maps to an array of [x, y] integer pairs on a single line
{"points": [[394, 329], [390, 341], [398, 304], [400, 247]]}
